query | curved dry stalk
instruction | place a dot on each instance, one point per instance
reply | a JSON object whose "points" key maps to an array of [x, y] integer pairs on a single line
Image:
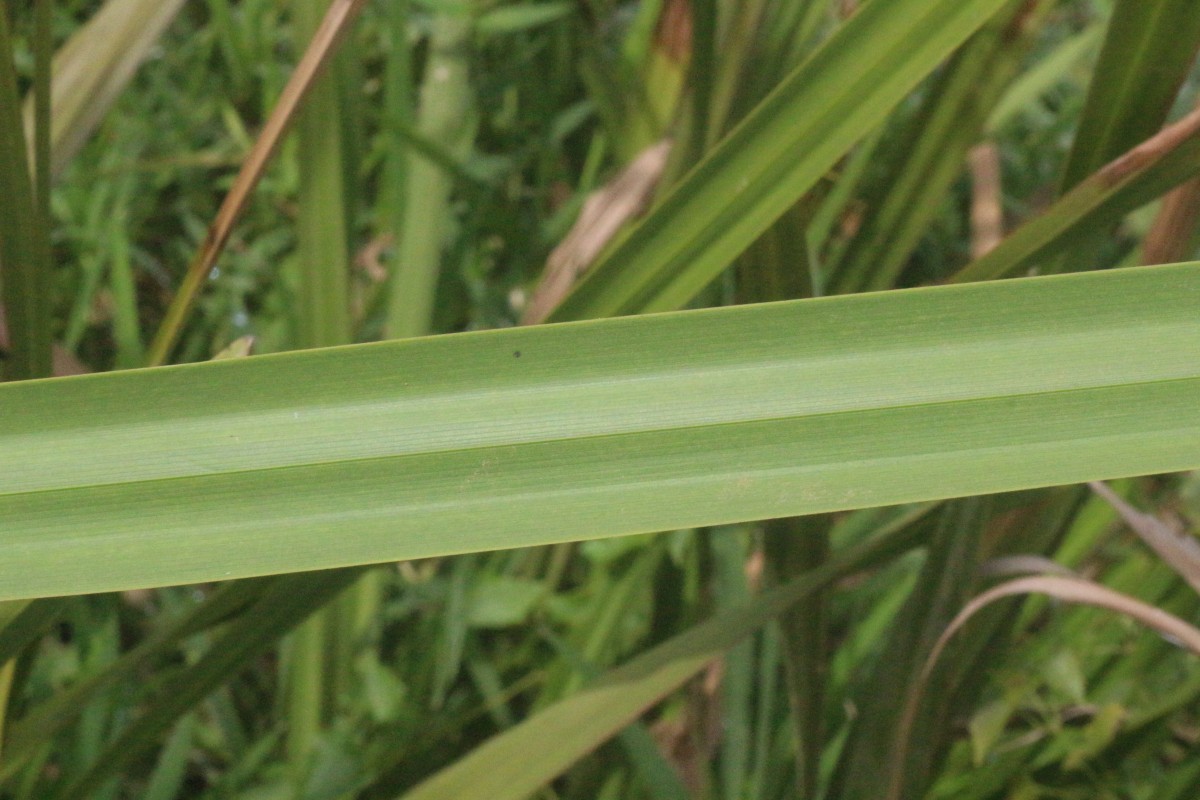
{"points": [[1025, 564], [1182, 553], [1070, 590]]}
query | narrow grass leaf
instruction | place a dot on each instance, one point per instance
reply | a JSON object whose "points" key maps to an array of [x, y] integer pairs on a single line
{"points": [[933, 148], [776, 155], [1146, 56], [285, 604], [28, 624], [445, 117], [322, 316], [1054, 69], [24, 239], [95, 65], [47, 719]]}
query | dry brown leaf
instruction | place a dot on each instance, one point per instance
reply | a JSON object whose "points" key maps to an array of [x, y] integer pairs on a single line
{"points": [[1023, 565], [1170, 237], [604, 213], [1182, 553]]}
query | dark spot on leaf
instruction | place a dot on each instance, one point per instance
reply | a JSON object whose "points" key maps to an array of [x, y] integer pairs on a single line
{"points": [[516, 353]]}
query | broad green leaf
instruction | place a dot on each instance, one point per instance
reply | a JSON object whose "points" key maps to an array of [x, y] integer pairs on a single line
{"points": [[1146, 56], [498, 439], [833, 99]]}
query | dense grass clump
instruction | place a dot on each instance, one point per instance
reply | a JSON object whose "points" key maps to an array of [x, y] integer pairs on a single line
{"points": [[715, 554]]}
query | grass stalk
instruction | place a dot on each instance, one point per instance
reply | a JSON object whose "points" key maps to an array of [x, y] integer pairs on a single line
{"points": [[24, 236], [322, 320], [305, 683], [445, 116], [794, 546], [126, 330], [323, 315], [398, 117]]}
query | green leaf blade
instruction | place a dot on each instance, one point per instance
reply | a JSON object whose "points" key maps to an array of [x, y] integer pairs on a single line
{"points": [[457, 444]]}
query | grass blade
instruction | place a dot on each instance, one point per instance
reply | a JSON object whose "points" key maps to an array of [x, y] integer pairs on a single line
{"points": [[283, 605], [95, 65], [24, 238], [776, 155], [1145, 58], [932, 150], [445, 117], [323, 316]]}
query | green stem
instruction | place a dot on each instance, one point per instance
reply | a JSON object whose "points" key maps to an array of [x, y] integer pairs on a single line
{"points": [[445, 116], [24, 227], [794, 546]]}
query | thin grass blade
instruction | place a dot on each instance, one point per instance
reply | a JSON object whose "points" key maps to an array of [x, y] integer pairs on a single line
{"points": [[24, 238], [94, 66], [337, 19]]}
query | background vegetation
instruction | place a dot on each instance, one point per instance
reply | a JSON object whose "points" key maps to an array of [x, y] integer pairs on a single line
{"points": [[459, 166]]}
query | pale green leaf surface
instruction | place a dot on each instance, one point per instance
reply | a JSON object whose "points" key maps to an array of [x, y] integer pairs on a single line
{"points": [[776, 155], [528, 436]]}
